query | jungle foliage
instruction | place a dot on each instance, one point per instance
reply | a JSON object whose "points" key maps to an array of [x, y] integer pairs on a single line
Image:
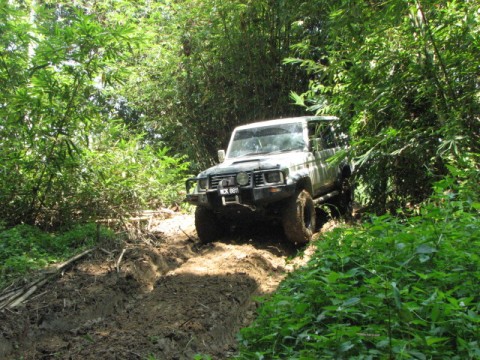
{"points": [[404, 77], [94, 92], [218, 64], [66, 154], [107, 105], [400, 287], [24, 248]]}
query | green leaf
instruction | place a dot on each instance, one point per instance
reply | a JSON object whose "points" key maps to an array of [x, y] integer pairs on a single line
{"points": [[425, 249], [299, 100], [346, 346], [430, 340], [434, 315], [396, 295], [405, 315], [351, 302]]}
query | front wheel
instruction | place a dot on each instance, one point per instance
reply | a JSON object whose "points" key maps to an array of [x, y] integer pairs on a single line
{"points": [[299, 218], [209, 228]]}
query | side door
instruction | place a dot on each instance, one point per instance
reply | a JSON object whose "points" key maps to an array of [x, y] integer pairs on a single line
{"points": [[323, 146]]}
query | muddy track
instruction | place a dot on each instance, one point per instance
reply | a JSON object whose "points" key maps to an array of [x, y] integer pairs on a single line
{"points": [[172, 298]]}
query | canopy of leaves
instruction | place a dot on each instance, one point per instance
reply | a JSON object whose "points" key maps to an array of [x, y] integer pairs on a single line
{"points": [[58, 124], [216, 65], [103, 102], [81, 77], [404, 77]]}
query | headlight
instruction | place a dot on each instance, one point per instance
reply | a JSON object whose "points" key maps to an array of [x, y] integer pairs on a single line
{"points": [[203, 183], [274, 177], [242, 178]]}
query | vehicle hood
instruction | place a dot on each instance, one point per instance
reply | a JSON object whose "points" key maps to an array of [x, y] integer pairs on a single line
{"points": [[255, 163]]}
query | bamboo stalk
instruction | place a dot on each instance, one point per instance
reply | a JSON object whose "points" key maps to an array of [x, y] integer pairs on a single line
{"points": [[76, 257], [12, 299], [117, 264], [29, 292]]}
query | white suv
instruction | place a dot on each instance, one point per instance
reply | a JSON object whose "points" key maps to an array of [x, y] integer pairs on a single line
{"points": [[276, 169]]}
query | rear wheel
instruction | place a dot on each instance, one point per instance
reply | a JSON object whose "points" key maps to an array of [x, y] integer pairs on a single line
{"points": [[208, 225], [299, 218], [344, 201]]}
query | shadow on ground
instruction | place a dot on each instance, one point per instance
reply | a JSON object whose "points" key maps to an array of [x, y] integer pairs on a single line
{"points": [[169, 298]]}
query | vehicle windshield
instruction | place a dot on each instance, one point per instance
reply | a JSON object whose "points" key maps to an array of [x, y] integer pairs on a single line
{"points": [[267, 139]]}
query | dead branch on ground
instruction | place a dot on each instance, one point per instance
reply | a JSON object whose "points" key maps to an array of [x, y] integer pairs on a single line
{"points": [[12, 299], [117, 264]]}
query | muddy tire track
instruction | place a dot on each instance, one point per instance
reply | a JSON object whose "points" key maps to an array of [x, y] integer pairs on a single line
{"points": [[172, 298]]}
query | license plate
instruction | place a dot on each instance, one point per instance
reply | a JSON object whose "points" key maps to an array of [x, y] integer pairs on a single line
{"points": [[229, 191]]}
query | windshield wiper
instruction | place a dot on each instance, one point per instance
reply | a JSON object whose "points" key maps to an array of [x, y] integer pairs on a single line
{"points": [[284, 150], [256, 153]]}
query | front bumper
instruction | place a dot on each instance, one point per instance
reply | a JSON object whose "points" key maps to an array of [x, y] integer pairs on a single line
{"points": [[249, 197]]}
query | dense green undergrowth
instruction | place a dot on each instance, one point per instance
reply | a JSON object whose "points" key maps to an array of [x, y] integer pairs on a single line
{"points": [[24, 248], [392, 288]]}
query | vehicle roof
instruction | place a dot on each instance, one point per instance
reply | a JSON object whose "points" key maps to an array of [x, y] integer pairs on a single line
{"points": [[287, 121]]}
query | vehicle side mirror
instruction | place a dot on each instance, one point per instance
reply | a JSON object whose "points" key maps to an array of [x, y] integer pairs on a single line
{"points": [[221, 155]]}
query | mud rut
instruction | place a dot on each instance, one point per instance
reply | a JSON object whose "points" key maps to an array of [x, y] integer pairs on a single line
{"points": [[172, 298]]}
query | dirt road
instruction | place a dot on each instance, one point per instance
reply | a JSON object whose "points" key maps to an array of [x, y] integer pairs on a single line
{"points": [[170, 298]]}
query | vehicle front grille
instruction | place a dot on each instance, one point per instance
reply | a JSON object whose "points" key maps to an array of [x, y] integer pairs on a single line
{"points": [[215, 179], [257, 178]]}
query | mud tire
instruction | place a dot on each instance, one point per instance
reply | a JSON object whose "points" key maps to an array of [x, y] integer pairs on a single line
{"points": [[208, 225], [299, 218]]}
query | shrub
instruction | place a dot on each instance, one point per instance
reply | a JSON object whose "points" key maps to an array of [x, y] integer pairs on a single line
{"points": [[24, 248], [395, 287]]}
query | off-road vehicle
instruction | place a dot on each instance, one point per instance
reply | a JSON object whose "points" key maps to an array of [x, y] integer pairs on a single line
{"points": [[276, 169]]}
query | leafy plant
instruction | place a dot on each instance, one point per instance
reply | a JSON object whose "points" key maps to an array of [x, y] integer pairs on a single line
{"points": [[202, 357], [398, 288], [65, 157], [403, 77], [129, 176], [24, 248], [57, 61]]}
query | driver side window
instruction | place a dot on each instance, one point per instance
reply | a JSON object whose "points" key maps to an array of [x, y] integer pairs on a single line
{"points": [[329, 138], [321, 136]]}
